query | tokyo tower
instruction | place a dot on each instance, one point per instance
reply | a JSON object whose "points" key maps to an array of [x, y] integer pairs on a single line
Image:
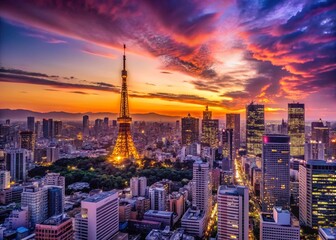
{"points": [[124, 147]]}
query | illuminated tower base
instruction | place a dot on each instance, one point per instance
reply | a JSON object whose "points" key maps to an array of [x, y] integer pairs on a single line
{"points": [[124, 147]]}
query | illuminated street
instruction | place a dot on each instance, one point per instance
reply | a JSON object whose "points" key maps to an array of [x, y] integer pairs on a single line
{"points": [[241, 179], [212, 222]]}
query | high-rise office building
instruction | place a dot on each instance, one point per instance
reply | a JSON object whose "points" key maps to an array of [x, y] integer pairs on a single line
{"points": [[279, 225], [55, 200], [233, 212], [48, 128], [275, 190], [209, 129], [31, 124], [106, 123], [320, 134], [36, 199], [317, 193], [27, 140], [4, 180], [58, 126], [38, 129], [201, 188], [255, 128], [158, 197], [138, 186], [296, 129], [56, 227], [99, 217], [85, 125], [233, 122], [314, 151], [16, 163], [228, 148], [190, 130], [52, 154]]}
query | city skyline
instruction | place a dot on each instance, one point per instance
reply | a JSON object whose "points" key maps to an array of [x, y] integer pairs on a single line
{"points": [[213, 54]]}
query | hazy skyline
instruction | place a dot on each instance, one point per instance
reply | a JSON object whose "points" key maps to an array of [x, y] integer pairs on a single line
{"points": [[181, 55]]}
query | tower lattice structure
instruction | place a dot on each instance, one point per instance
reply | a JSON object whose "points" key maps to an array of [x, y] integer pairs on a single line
{"points": [[124, 147]]}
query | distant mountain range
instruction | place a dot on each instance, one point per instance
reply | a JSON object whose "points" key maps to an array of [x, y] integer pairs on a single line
{"points": [[22, 114]]}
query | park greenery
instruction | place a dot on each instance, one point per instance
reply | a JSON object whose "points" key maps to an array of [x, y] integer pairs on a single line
{"points": [[102, 174]]}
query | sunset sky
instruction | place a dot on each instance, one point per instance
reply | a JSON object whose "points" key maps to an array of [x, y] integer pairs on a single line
{"points": [[181, 55]]}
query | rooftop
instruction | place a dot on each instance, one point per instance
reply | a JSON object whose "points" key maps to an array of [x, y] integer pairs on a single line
{"points": [[267, 217], [192, 214], [330, 233], [100, 196], [56, 220], [159, 213]]}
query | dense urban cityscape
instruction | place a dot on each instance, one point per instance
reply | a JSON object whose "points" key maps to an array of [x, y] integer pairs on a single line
{"points": [[211, 174]]}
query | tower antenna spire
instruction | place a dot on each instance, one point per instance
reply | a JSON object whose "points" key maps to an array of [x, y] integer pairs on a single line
{"points": [[124, 65]]}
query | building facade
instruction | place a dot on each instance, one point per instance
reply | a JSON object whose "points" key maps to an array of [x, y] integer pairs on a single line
{"points": [[233, 122], [296, 129], [275, 189], [255, 128]]}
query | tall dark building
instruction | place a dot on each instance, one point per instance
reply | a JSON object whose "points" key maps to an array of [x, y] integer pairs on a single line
{"points": [[106, 123], [31, 124], [255, 128], [55, 201], [233, 122], [275, 190], [209, 129], [98, 127], [85, 125], [320, 133], [190, 130], [27, 140], [45, 128], [48, 128], [58, 128], [296, 129]]}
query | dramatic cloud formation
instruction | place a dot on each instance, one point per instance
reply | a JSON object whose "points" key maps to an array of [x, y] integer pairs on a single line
{"points": [[268, 51]]}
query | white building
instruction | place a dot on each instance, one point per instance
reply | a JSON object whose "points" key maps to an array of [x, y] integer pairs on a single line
{"points": [[194, 222], [54, 179], [313, 151], [52, 154], [36, 199], [4, 180], [201, 192], [233, 212], [279, 225], [157, 196], [99, 217], [138, 186]]}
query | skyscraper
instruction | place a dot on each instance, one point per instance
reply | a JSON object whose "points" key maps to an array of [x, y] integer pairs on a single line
{"points": [[317, 193], [58, 126], [31, 124], [255, 128], [85, 125], [209, 129], [55, 200], [296, 129], [233, 212], [158, 197], [124, 147], [16, 162], [190, 130], [201, 189], [320, 133], [228, 148], [99, 217], [233, 122], [275, 190], [48, 128], [27, 140]]}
